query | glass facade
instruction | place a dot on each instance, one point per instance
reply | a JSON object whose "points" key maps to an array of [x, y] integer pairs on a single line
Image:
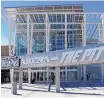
{"points": [[21, 40], [57, 25], [38, 42], [57, 40]]}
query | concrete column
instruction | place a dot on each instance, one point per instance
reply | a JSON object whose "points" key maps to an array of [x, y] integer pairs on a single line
{"points": [[66, 74], [11, 75], [47, 75], [29, 75], [57, 79], [14, 88], [20, 78], [84, 73], [81, 73], [102, 73]]}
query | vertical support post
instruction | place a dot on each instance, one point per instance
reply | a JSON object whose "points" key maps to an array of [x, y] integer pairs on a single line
{"points": [[81, 72], [47, 34], [14, 39], [84, 43], [43, 76], [11, 75], [102, 73], [66, 74], [20, 78], [65, 31], [31, 41], [47, 75], [84, 31], [57, 79], [28, 34], [84, 73], [29, 75], [9, 35]]}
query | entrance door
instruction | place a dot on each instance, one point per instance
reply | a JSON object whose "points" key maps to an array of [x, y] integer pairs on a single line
{"points": [[5, 76], [72, 75], [25, 77], [50, 74], [62, 76]]}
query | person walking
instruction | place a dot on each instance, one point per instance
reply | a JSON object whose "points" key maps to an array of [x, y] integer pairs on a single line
{"points": [[53, 78]]}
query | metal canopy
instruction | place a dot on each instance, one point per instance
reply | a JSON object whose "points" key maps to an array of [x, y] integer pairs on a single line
{"points": [[58, 8]]}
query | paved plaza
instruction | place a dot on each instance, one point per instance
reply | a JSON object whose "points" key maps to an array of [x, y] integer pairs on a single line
{"points": [[41, 90]]}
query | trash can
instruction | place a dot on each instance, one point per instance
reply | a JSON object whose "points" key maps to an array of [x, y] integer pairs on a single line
{"points": [[14, 88]]}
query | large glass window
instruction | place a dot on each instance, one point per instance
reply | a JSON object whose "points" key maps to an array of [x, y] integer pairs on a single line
{"points": [[38, 42], [21, 40], [57, 40]]}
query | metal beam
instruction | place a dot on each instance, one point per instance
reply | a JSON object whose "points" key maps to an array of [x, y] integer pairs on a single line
{"points": [[28, 35], [47, 34], [65, 31], [92, 13], [31, 39], [9, 35]]}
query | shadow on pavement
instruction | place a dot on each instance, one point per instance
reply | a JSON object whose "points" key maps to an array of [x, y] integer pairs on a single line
{"points": [[82, 93], [66, 92]]}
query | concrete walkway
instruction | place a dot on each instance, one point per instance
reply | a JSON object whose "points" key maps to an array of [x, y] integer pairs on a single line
{"points": [[41, 90]]}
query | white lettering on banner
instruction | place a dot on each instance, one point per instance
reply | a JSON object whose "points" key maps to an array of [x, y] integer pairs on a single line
{"points": [[76, 56], [63, 57], [69, 57], [35, 60], [87, 53], [92, 54], [100, 50]]}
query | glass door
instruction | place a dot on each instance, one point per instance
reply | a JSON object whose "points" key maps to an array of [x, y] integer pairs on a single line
{"points": [[73, 75]]}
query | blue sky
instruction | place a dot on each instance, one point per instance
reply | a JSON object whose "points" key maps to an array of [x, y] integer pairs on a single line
{"points": [[89, 6]]}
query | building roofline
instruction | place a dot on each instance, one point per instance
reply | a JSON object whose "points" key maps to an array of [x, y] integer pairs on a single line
{"points": [[46, 6]]}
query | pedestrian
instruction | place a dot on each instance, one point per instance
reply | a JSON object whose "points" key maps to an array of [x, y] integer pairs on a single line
{"points": [[53, 78]]}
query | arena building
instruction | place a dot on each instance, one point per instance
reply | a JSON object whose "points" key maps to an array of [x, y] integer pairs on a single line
{"points": [[61, 41]]}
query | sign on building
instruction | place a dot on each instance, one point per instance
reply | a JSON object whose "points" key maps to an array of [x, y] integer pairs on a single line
{"points": [[66, 57], [8, 62]]}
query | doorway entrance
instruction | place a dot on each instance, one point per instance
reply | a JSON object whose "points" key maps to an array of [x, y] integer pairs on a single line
{"points": [[72, 75]]}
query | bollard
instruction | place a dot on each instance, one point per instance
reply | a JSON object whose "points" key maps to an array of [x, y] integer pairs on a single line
{"points": [[14, 88]]}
